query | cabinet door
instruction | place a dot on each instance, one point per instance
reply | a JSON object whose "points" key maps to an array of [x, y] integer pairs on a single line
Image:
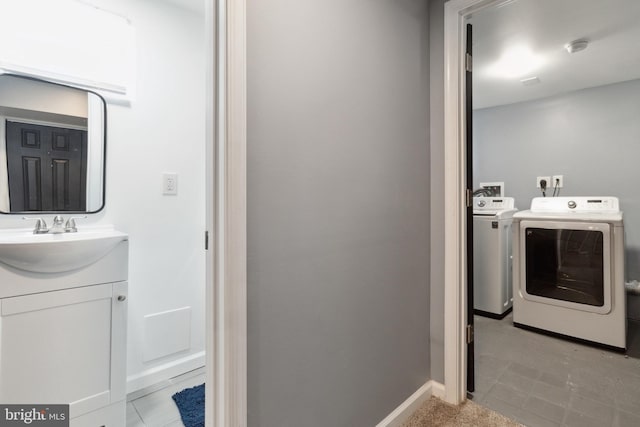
{"points": [[56, 347]]}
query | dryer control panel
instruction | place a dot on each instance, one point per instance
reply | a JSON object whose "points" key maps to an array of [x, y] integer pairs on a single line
{"points": [[493, 203], [575, 204]]}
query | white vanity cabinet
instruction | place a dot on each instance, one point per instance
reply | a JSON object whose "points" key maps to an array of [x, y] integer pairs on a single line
{"points": [[63, 339]]}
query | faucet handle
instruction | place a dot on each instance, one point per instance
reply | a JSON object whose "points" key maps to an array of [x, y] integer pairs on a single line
{"points": [[70, 226], [41, 226]]}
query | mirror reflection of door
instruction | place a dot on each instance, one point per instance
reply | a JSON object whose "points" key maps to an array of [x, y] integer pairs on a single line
{"points": [[47, 167]]}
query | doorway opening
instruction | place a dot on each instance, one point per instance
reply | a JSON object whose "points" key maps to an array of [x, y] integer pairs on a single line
{"points": [[566, 370]]}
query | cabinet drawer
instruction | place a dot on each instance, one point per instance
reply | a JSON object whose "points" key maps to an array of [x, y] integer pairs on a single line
{"points": [[45, 300]]}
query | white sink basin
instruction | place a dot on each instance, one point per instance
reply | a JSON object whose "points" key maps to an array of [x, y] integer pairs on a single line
{"points": [[57, 253]]}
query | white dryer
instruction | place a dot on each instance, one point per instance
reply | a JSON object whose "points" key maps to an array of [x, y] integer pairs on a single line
{"points": [[492, 261], [569, 268]]}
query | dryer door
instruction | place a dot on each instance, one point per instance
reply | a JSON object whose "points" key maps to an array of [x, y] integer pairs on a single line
{"points": [[567, 264]]}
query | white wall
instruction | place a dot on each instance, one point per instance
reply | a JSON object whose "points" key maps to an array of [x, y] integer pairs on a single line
{"points": [[162, 131], [590, 136], [62, 38]]}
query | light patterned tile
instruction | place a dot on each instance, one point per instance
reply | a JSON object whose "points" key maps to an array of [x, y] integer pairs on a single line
{"points": [[626, 419], [491, 366], [158, 408], [516, 381], [524, 370], [484, 383], [593, 386], [545, 409], [591, 408], [632, 408], [558, 379], [534, 420], [576, 419], [507, 394], [503, 408], [133, 419], [550, 393]]}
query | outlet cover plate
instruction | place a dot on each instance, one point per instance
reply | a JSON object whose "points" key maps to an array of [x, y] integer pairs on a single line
{"points": [[546, 178], [560, 180], [170, 183], [498, 187]]}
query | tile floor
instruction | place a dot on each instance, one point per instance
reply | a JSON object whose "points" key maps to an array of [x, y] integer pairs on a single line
{"points": [[539, 380], [154, 407], [535, 379]]}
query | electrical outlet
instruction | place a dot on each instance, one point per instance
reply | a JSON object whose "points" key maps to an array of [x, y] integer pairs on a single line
{"points": [[170, 183], [495, 188], [546, 178], [557, 181]]}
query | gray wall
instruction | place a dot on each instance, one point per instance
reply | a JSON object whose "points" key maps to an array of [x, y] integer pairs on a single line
{"points": [[591, 136], [338, 210], [436, 49]]}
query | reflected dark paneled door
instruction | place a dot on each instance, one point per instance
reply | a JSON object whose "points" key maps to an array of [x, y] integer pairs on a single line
{"points": [[469, 185], [47, 167]]}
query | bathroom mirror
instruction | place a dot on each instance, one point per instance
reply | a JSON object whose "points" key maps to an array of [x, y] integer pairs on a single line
{"points": [[52, 147]]}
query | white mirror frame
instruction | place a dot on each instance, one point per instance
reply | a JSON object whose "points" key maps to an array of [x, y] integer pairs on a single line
{"points": [[96, 131]]}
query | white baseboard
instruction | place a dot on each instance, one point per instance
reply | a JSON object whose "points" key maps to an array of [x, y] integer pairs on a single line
{"points": [[409, 406], [165, 371], [437, 389]]}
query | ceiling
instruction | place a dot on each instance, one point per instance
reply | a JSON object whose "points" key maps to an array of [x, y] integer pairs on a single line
{"points": [[192, 5], [612, 28]]}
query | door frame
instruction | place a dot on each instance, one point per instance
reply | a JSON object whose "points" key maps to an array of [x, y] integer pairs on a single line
{"points": [[455, 250], [226, 259]]}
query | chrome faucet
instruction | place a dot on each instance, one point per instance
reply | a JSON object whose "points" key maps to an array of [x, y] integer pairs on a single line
{"points": [[58, 225], [41, 226], [70, 226]]}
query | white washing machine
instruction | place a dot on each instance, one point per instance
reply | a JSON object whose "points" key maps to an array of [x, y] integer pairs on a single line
{"points": [[568, 269], [492, 261]]}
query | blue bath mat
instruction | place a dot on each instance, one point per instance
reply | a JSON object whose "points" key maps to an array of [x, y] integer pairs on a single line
{"points": [[190, 402]]}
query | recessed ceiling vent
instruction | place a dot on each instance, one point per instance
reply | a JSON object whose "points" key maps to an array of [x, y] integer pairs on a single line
{"points": [[577, 45]]}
